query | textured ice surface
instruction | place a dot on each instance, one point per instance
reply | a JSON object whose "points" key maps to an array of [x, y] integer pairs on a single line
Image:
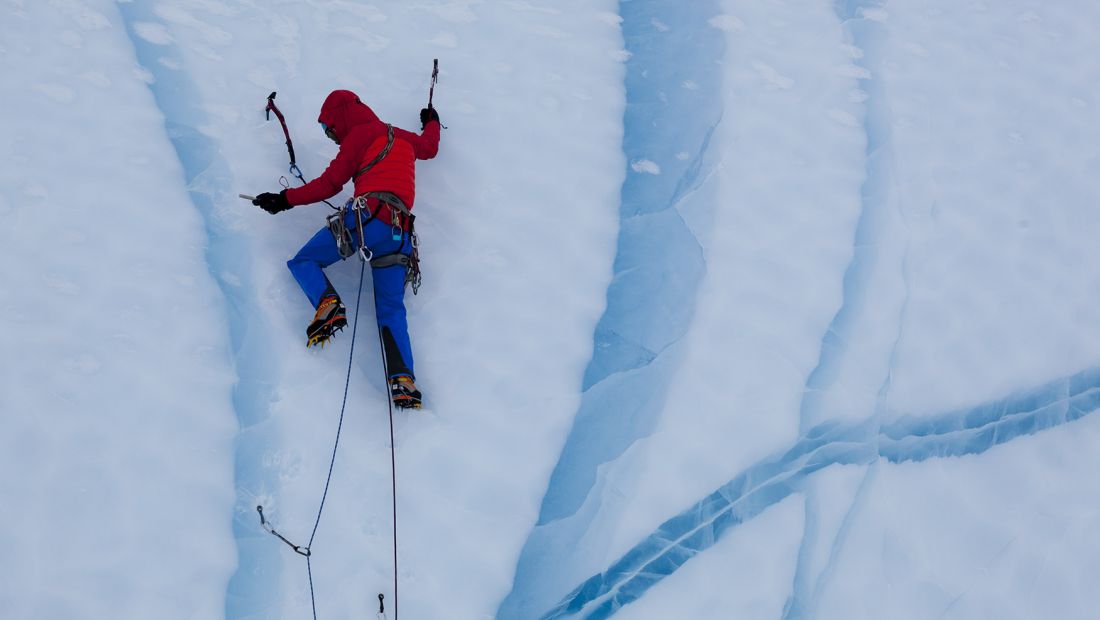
{"points": [[860, 236], [517, 221], [651, 299], [116, 454], [901, 208], [959, 433], [209, 188]]}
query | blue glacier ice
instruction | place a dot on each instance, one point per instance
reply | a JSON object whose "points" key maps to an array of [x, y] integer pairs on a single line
{"points": [[650, 303], [968, 431], [208, 181], [657, 271], [871, 231]]}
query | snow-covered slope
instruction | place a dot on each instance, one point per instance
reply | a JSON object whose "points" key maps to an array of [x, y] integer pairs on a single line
{"points": [[731, 309]]}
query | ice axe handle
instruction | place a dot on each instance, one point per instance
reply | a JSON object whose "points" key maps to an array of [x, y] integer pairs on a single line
{"points": [[247, 197], [435, 78]]}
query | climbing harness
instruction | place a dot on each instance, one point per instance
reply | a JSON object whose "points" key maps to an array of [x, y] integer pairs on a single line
{"points": [[401, 224], [402, 229]]}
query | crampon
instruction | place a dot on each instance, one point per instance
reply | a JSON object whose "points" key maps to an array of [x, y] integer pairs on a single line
{"points": [[404, 393], [331, 317]]}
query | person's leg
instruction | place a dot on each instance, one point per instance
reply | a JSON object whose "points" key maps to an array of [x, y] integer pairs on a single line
{"points": [[389, 298], [389, 305], [308, 265]]}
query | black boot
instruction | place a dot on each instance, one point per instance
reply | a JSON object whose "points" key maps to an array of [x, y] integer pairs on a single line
{"points": [[404, 393]]}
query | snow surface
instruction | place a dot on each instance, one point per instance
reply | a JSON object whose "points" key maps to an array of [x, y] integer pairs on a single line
{"points": [[731, 308]]}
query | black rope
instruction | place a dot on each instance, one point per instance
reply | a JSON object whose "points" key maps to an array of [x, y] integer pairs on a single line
{"points": [[393, 469], [389, 403]]}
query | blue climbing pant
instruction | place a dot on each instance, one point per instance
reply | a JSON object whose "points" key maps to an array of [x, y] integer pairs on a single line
{"points": [[389, 282]]}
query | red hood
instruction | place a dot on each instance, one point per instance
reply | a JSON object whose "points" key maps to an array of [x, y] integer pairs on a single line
{"points": [[343, 110]]}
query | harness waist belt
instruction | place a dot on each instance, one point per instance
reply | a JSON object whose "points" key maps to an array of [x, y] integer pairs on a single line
{"points": [[389, 260]]}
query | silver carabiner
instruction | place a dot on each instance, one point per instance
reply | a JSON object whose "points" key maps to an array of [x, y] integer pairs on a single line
{"points": [[365, 253]]}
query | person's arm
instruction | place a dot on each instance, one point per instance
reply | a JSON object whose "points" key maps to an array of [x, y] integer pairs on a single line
{"points": [[426, 143], [331, 181]]}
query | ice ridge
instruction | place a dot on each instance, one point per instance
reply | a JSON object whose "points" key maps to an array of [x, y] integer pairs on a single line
{"points": [[969, 431], [208, 181]]}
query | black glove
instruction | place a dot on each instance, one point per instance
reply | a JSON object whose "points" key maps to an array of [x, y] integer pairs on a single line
{"points": [[428, 114], [272, 203]]}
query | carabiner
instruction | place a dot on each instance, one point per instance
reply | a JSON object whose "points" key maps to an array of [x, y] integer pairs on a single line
{"points": [[296, 172]]}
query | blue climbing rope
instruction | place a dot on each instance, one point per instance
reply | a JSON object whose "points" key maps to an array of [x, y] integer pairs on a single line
{"points": [[339, 427], [306, 550]]}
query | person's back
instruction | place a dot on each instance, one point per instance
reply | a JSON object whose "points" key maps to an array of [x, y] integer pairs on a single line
{"points": [[362, 136]]}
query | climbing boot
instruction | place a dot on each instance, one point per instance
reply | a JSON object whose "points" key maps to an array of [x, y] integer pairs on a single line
{"points": [[331, 317], [404, 393]]}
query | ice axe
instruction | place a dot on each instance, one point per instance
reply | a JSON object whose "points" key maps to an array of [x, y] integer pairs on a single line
{"points": [[435, 78]]}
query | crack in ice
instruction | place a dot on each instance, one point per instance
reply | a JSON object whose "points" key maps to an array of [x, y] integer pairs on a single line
{"points": [[874, 197], [657, 272], [963, 432], [208, 182]]}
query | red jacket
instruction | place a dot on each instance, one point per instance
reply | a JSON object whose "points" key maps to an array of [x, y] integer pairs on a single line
{"points": [[361, 137]]}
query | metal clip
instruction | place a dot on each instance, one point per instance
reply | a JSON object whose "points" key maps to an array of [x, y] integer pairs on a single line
{"points": [[300, 550], [296, 172], [344, 243]]}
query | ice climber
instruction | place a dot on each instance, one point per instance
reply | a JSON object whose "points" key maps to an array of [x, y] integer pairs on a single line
{"points": [[381, 160]]}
